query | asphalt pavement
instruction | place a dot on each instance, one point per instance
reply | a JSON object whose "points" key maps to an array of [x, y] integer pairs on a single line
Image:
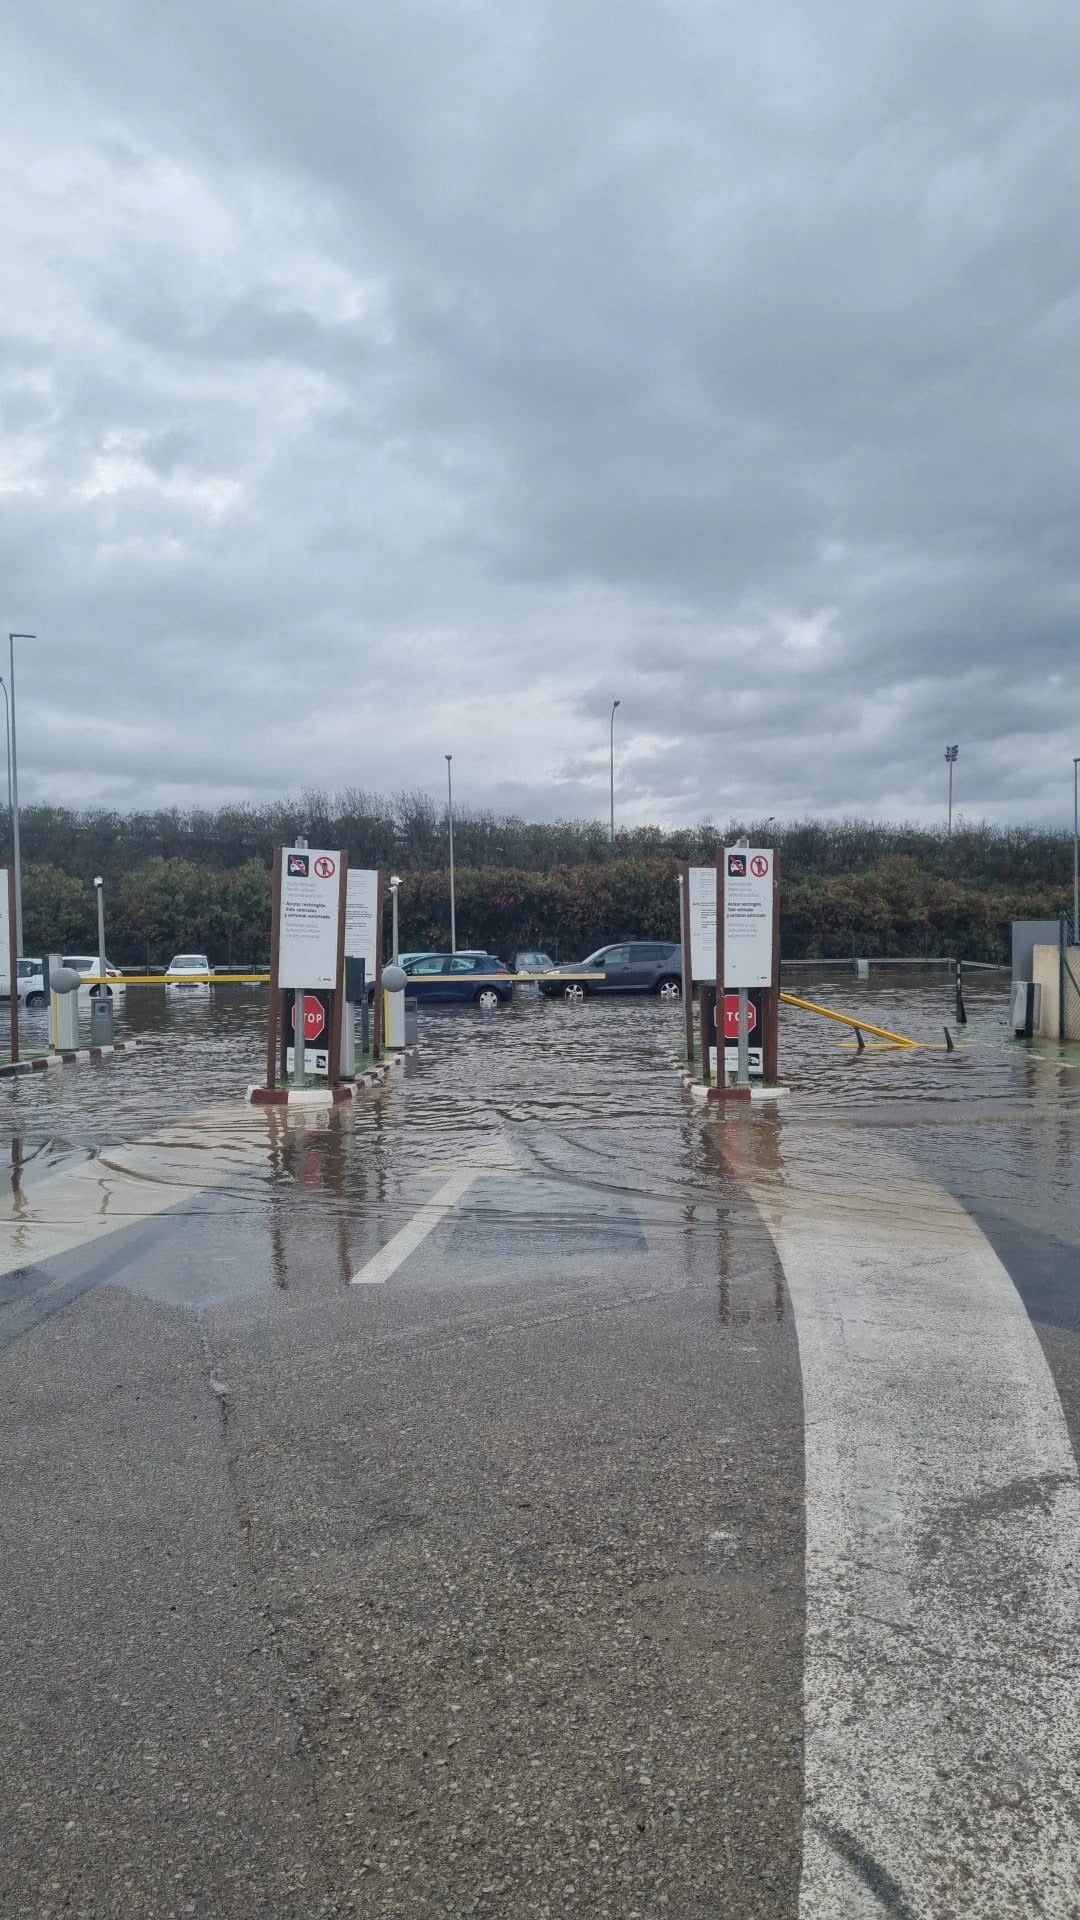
{"points": [[524, 1493]]}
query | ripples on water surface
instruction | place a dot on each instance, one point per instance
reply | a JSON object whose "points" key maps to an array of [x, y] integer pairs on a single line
{"points": [[582, 1098]]}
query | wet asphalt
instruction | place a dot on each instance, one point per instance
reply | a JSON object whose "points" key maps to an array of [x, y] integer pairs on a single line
{"points": [[480, 1590]]}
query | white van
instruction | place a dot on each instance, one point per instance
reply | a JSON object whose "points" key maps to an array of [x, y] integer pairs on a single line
{"points": [[31, 983]]}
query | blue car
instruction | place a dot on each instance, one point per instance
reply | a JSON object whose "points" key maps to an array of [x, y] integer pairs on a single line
{"points": [[481, 977]]}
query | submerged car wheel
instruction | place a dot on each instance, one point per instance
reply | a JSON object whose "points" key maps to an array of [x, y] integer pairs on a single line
{"points": [[669, 989], [574, 991], [487, 997], [35, 999]]}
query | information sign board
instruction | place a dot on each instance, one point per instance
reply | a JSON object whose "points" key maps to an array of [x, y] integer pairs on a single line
{"points": [[361, 916], [702, 893], [748, 916], [310, 909]]}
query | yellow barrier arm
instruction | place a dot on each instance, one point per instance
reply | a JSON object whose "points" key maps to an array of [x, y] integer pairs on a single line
{"points": [[862, 1026]]}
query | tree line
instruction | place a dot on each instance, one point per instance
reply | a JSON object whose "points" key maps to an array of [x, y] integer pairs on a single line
{"points": [[407, 833], [898, 907]]}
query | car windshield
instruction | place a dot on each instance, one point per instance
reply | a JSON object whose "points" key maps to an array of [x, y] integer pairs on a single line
{"points": [[195, 960]]}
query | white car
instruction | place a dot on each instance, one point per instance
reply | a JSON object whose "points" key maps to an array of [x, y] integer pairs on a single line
{"points": [[31, 983], [87, 965], [180, 969]]}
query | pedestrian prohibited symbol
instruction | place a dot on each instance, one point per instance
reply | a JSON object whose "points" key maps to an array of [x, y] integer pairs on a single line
{"points": [[325, 868], [759, 866]]}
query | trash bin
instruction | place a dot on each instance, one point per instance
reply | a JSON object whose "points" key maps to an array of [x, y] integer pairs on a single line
{"points": [[410, 1022], [101, 1020]]}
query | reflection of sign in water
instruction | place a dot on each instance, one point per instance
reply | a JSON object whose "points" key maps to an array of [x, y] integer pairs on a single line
{"points": [[361, 916], [702, 900], [308, 935], [748, 917]]}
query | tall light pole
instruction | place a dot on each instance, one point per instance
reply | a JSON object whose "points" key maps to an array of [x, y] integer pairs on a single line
{"points": [[1076, 855], [951, 756], [7, 740], [450, 819], [614, 704], [16, 853]]}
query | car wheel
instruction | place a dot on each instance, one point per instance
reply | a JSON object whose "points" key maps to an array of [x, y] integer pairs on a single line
{"points": [[35, 999], [669, 989], [487, 997], [575, 991]]}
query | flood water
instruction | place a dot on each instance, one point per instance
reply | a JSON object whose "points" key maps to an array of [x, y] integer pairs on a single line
{"points": [[586, 1096]]}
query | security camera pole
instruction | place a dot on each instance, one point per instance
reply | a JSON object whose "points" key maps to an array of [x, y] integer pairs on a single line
{"points": [[99, 885], [395, 882]]}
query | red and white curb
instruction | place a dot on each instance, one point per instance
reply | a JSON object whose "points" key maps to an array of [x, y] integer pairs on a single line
{"points": [[716, 1094], [327, 1096], [74, 1059]]}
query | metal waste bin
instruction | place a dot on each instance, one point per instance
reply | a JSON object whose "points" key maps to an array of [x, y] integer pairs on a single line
{"points": [[101, 1020]]}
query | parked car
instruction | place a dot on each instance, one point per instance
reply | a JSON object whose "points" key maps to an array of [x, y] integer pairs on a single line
{"points": [[533, 962], [179, 971], [481, 977], [630, 966], [31, 987], [87, 965]]}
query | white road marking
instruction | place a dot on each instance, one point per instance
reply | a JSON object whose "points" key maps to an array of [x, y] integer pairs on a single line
{"points": [[942, 1664], [424, 1221]]}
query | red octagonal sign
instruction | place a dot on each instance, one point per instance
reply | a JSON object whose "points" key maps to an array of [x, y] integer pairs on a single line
{"points": [[731, 1016], [314, 1018]]}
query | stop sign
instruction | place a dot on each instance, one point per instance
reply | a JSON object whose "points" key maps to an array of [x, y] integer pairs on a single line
{"points": [[731, 1016], [314, 1018]]}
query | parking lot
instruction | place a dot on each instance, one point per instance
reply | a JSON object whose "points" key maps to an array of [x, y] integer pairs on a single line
{"points": [[523, 1493]]}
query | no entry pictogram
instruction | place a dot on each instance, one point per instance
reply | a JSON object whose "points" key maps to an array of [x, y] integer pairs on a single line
{"points": [[759, 866], [325, 868], [314, 1018]]}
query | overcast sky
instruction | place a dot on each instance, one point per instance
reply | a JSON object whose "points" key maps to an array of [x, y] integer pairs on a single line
{"points": [[383, 378]]}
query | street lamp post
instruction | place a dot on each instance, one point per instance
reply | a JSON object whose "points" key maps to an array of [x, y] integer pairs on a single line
{"points": [[7, 740], [450, 820], [951, 756], [614, 704], [16, 851], [395, 882], [1075, 853]]}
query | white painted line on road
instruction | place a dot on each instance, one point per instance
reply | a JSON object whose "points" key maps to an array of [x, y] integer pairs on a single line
{"points": [[378, 1270], [942, 1663]]}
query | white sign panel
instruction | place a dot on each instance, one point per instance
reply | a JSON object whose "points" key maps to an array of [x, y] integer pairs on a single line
{"points": [[755, 1057], [703, 923], [748, 916], [310, 903], [361, 917]]}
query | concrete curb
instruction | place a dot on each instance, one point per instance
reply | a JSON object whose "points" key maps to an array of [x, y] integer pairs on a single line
{"points": [[328, 1096], [76, 1059], [717, 1094]]}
